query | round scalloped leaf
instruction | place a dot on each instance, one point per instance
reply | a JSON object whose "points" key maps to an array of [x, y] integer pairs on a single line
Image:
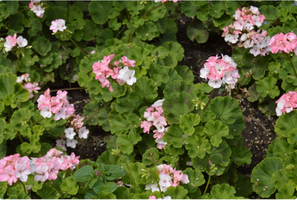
{"points": [[292, 136], [188, 121], [7, 82], [225, 108], [216, 130], [286, 192], [118, 91], [223, 191], [42, 45], [69, 185], [175, 48], [261, 176], [267, 86], [173, 136], [219, 156], [197, 147], [118, 123], [241, 155], [177, 192], [257, 65], [280, 178], [99, 11], [151, 157], [176, 106], [177, 87], [290, 166], [145, 89], [285, 123], [281, 148], [196, 179]]}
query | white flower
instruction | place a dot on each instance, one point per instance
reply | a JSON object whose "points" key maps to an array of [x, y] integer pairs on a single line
{"points": [[158, 103], [46, 112], [69, 133], [71, 143], [231, 38], [22, 42], [165, 181], [83, 132], [215, 83], [127, 75], [38, 11], [154, 187], [58, 25]]}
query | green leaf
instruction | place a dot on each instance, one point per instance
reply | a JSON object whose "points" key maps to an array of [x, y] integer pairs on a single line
{"points": [[286, 192], [134, 7], [257, 65], [196, 179], [218, 9], [285, 123], [176, 106], [280, 178], [216, 130], [147, 32], [69, 185], [42, 45], [123, 193], [99, 11], [151, 156], [145, 89], [197, 147], [175, 48], [3, 150], [90, 30], [177, 192], [241, 155], [48, 192], [108, 187], [218, 156], [173, 136], [225, 108], [267, 86], [196, 31], [261, 176], [15, 24], [185, 72], [135, 172], [177, 87], [83, 174], [21, 117], [287, 72], [118, 123], [190, 8], [269, 11], [111, 172], [126, 142], [7, 82], [188, 121], [222, 191], [281, 148]]}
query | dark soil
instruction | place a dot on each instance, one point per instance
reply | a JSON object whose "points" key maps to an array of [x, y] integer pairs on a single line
{"points": [[257, 134]]}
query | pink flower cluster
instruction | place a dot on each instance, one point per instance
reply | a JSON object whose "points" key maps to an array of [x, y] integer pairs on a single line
{"points": [[168, 177], [155, 117], [36, 7], [58, 105], [47, 167], [10, 42], [58, 25], [104, 70], [242, 33], [286, 103], [25, 81], [220, 71], [154, 197], [76, 125], [284, 43]]}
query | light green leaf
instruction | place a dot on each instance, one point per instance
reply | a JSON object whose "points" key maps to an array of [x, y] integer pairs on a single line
{"points": [[188, 121], [222, 191], [173, 136], [42, 45], [126, 142], [83, 174], [216, 130], [69, 185]]}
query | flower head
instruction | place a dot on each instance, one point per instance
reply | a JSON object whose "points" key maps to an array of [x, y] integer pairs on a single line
{"points": [[58, 25]]}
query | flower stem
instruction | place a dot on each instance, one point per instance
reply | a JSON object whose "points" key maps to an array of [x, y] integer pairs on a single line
{"points": [[152, 9], [37, 122], [293, 66], [133, 182], [16, 69], [24, 187], [56, 188], [96, 112], [207, 184], [240, 84], [207, 105], [82, 50], [131, 34]]}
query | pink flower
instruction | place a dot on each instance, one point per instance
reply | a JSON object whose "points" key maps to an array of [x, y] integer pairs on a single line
{"points": [[58, 25], [83, 132], [286, 103], [10, 42]]}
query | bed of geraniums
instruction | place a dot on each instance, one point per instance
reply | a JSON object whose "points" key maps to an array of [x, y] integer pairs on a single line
{"points": [[171, 138]]}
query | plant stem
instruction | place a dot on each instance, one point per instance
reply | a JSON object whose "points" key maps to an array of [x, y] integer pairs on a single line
{"points": [[16, 69], [24, 187], [96, 112], [207, 185], [240, 84], [207, 105], [82, 50], [142, 99], [152, 9], [131, 33], [56, 189], [36, 122], [293, 66], [133, 182], [76, 88]]}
